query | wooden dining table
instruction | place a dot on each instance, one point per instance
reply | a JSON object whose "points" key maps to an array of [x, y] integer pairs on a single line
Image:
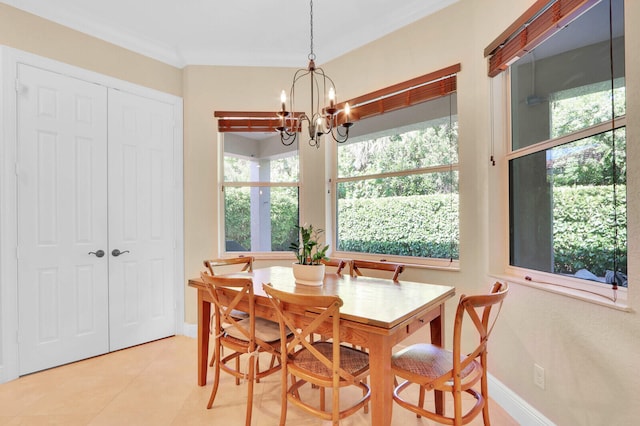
{"points": [[377, 314]]}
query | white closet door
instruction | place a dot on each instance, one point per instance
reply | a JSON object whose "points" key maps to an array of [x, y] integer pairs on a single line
{"points": [[62, 216], [141, 220]]}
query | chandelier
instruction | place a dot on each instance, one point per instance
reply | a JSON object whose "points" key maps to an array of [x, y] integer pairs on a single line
{"points": [[319, 121]]}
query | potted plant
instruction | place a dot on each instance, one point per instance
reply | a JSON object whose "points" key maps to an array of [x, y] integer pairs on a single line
{"points": [[309, 269]]}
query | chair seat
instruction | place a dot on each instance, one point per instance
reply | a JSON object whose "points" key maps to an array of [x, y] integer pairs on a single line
{"points": [[352, 360], [429, 362], [267, 331], [239, 314]]}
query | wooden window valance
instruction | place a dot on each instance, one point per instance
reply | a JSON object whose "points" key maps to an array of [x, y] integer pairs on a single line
{"points": [[543, 19], [248, 121], [402, 95]]}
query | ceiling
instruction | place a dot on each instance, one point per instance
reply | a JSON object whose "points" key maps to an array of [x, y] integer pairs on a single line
{"points": [[240, 32]]}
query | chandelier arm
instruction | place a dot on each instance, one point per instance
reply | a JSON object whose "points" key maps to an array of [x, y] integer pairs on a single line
{"points": [[288, 131], [327, 114], [328, 123], [316, 112], [319, 70], [302, 118], [341, 137], [292, 92], [325, 78], [287, 138], [299, 74]]}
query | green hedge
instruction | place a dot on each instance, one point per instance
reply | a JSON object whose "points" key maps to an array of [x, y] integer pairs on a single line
{"points": [[284, 217], [237, 216], [424, 225], [583, 229]]}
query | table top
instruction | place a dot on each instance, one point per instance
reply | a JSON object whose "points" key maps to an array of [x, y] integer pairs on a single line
{"points": [[367, 300]]}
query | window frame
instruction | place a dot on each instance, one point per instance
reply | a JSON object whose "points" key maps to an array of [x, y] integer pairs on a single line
{"points": [[417, 262], [276, 255], [538, 23], [576, 288]]}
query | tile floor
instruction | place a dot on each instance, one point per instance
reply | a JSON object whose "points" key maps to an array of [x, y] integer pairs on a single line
{"points": [[155, 384]]}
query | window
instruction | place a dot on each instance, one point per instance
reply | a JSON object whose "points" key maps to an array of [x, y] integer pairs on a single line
{"points": [[260, 193], [567, 163], [397, 183]]}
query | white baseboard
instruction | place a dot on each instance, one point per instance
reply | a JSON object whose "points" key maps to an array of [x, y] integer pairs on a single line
{"points": [[190, 330], [515, 406]]}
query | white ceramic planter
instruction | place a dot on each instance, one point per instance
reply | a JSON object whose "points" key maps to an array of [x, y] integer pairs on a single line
{"points": [[308, 274]]}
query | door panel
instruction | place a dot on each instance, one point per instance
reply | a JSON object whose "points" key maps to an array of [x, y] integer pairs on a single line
{"points": [[62, 206], [141, 219], [72, 304]]}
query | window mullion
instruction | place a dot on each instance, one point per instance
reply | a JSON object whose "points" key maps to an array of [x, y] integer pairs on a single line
{"points": [[424, 170], [571, 137], [261, 184]]}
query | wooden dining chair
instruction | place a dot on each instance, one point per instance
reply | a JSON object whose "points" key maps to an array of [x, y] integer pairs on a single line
{"points": [[326, 364], [333, 262], [245, 261], [249, 336], [356, 267], [228, 265], [434, 368]]}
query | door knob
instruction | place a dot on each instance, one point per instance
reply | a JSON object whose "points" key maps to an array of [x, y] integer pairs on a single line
{"points": [[98, 253], [117, 252]]}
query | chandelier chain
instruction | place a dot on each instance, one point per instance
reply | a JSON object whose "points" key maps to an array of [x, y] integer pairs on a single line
{"points": [[312, 56]]}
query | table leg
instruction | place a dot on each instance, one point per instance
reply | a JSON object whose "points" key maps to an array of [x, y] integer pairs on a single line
{"points": [[437, 338], [381, 380], [204, 314]]}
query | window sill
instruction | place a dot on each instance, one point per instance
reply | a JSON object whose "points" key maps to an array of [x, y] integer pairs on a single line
{"points": [[583, 291], [274, 255], [430, 264], [408, 262], [449, 266]]}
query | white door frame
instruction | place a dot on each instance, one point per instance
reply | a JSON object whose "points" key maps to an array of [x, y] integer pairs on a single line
{"points": [[9, 58]]}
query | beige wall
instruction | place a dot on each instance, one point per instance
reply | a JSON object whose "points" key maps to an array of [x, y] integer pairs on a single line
{"points": [[587, 350], [32, 34], [208, 89]]}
